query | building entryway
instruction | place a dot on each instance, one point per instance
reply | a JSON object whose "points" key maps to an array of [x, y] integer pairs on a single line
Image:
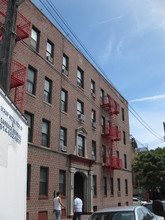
{"points": [[79, 185]]}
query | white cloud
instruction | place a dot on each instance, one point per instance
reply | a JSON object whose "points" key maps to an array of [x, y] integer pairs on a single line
{"points": [[152, 98], [108, 21]]}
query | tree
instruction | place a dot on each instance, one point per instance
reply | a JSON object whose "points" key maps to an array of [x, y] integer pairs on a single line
{"points": [[149, 168]]}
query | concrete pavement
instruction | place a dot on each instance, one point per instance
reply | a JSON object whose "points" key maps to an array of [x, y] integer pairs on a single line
{"points": [[83, 217]]}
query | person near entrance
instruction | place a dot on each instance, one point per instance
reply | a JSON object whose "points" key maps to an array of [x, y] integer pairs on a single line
{"points": [[57, 206], [77, 208]]}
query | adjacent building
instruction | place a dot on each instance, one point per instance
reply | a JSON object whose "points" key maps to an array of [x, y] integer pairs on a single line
{"points": [[78, 136]]}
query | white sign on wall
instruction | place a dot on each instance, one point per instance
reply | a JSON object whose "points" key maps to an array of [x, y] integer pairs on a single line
{"points": [[13, 161]]}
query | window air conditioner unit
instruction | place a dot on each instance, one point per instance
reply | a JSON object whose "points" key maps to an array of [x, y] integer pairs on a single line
{"points": [[49, 58], [93, 94], [81, 117], [65, 71], [63, 148], [94, 125]]}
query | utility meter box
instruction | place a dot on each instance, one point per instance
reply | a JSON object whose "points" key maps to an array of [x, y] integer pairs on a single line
{"points": [[13, 161]]}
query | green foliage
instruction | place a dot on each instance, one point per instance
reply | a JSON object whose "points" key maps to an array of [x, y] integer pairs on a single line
{"points": [[149, 168]]}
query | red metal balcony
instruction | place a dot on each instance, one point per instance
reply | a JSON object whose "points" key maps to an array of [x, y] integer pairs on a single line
{"points": [[112, 132], [116, 163], [112, 162], [23, 25], [110, 105], [17, 81]]}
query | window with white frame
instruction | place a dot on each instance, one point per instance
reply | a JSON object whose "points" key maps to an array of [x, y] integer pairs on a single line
{"points": [[102, 95], [31, 80], [47, 90], [92, 88], [63, 136], [35, 38], [64, 100], [93, 150], [80, 107], [45, 133], [30, 118], [81, 145], [65, 64], [80, 78], [49, 51], [93, 116]]}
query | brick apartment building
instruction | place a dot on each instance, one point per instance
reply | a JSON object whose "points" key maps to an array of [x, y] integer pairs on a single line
{"points": [[78, 140]]}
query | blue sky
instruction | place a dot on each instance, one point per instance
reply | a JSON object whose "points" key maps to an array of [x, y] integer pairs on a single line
{"points": [[127, 39]]}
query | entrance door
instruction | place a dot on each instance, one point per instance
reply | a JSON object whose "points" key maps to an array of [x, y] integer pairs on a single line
{"points": [[79, 185]]}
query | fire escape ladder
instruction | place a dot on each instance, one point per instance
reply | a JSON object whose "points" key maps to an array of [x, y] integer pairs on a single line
{"points": [[18, 80], [111, 135], [22, 27]]}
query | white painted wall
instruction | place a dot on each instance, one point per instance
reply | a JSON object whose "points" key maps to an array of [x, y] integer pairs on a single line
{"points": [[13, 161]]}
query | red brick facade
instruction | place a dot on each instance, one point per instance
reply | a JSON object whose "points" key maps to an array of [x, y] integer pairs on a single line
{"points": [[52, 157]]}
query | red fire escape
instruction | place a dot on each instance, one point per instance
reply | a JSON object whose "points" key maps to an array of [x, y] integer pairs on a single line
{"points": [[111, 135], [18, 71]]}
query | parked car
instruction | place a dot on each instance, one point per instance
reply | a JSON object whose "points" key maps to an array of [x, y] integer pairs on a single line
{"points": [[124, 213], [138, 201], [157, 207]]}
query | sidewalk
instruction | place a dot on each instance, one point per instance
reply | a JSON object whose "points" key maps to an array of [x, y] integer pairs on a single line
{"points": [[83, 217]]}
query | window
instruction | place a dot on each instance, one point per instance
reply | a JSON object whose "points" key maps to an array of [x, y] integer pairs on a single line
{"points": [[63, 137], [80, 78], [81, 145], [104, 153], [103, 124], [49, 51], [65, 64], [92, 88], [43, 181], [31, 81], [80, 107], [111, 186], [102, 96], [62, 182], [105, 186], [35, 35], [125, 161], [124, 137], [45, 133], [94, 150], [122, 112], [126, 186], [64, 100], [47, 90], [28, 179], [94, 185], [93, 116], [29, 118], [118, 185]]}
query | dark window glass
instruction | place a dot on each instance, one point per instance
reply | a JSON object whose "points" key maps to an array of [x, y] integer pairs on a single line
{"points": [[94, 150], [94, 185], [28, 179], [35, 35], [29, 118], [31, 81], [105, 186], [64, 100], [43, 181], [45, 133], [80, 78], [47, 90], [81, 145], [62, 182], [111, 187], [49, 51], [63, 137]]}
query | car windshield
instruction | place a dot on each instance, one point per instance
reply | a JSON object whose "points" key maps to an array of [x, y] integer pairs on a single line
{"points": [[125, 215]]}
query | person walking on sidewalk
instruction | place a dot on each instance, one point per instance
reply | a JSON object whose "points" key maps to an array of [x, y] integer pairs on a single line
{"points": [[57, 206], [77, 208]]}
